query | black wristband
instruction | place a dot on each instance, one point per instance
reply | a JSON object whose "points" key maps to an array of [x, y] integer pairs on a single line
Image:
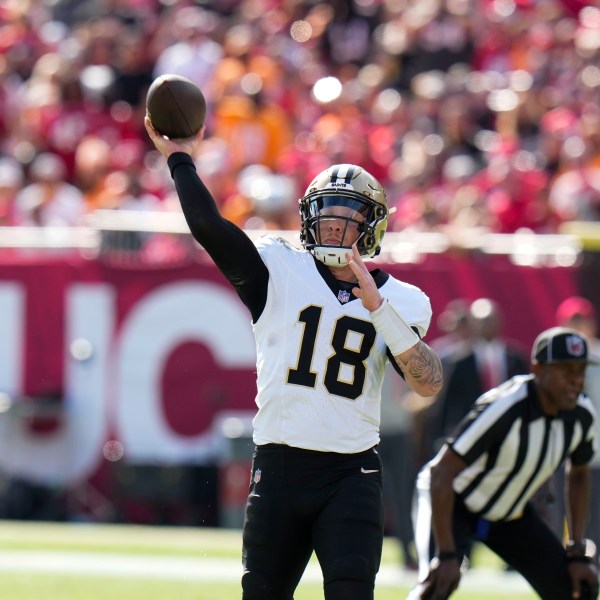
{"points": [[582, 549], [447, 555], [580, 559]]}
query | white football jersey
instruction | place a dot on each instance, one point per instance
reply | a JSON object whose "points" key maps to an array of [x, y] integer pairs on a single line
{"points": [[320, 363]]}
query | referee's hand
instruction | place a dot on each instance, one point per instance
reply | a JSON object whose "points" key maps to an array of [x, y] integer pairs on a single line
{"points": [[443, 579], [584, 580]]}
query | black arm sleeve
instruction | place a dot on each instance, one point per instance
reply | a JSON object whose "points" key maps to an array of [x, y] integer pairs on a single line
{"points": [[230, 248]]}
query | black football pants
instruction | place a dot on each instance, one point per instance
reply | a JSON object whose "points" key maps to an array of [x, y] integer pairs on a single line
{"points": [[302, 500]]}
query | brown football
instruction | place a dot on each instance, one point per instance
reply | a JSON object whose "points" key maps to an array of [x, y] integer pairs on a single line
{"points": [[176, 106]]}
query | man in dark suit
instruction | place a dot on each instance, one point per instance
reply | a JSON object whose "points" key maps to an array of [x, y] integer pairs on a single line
{"points": [[472, 367]]}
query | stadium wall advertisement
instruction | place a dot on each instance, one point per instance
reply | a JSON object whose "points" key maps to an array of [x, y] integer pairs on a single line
{"points": [[138, 363]]}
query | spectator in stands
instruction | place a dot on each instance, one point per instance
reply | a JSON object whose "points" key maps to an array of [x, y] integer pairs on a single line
{"points": [[93, 161], [48, 199], [428, 101], [455, 326], [11, 180], [188, 48]]}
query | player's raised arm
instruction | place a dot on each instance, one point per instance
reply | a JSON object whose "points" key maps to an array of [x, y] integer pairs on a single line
{"points": [[230, 248]]}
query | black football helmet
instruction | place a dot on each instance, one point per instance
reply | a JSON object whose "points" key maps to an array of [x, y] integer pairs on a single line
{"points": [[351, 187]]}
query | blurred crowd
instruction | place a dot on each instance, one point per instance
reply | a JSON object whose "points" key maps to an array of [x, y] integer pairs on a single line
{"points": [[472, 113]]}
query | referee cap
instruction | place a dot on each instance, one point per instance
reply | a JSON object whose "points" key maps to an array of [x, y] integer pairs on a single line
{"points": [[560, 344]]}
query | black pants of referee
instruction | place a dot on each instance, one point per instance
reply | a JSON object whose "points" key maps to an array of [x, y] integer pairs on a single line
{"points": [[302, 500], [528, 544]]}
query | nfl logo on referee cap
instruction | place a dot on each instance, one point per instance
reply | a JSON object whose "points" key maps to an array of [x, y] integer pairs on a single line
{"points": [[560, 344]]}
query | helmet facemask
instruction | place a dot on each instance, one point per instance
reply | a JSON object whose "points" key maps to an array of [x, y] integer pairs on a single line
{"points": [[331, 210]]}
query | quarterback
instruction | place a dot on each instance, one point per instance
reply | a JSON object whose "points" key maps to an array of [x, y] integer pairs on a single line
{"points": [[325, 327]]}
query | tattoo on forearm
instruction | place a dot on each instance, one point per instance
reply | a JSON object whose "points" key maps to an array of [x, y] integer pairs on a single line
{"points": [[424, 366]]}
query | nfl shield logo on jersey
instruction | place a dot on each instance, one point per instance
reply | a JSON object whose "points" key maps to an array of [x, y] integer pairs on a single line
{"points": [[257, 475], [343, 296]]}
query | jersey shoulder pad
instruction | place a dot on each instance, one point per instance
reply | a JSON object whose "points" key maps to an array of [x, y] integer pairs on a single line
{"points": [[407, 290], [270, 243], [410, 301]]}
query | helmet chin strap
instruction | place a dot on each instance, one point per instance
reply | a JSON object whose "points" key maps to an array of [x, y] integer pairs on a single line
{"points": [[331, 256], [334, 256]]}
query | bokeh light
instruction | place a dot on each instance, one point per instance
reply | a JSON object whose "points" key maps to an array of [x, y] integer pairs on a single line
{"points": [[301, 31], [502, 100], [327, 89], [113, 450]]}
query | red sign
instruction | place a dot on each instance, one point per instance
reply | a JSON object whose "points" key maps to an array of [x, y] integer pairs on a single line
{"points": [[143, 360]]}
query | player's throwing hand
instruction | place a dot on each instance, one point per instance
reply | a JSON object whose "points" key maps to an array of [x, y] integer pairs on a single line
{"points": [[167, 146], [367, 288]]}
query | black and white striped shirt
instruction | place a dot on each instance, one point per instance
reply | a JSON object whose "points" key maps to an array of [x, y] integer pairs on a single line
{"points": [[512, 447]]}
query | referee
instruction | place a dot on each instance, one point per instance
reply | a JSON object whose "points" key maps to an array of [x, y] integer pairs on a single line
{"points": [[479, 485]]}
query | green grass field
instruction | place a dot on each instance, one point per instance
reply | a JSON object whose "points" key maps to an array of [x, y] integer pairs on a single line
{"points": [[58, 547]]}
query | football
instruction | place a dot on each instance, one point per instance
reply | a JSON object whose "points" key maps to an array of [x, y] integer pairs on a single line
{"points": [[176, 106]]}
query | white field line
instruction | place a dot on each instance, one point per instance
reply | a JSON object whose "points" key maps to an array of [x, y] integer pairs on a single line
{"points": [[211, 569]]}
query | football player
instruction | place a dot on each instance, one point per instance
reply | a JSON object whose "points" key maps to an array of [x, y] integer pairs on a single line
{"points": [[325, 326]]}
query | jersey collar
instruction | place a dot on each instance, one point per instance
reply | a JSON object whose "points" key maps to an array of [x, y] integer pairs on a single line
{"points": [[335, 285]]}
